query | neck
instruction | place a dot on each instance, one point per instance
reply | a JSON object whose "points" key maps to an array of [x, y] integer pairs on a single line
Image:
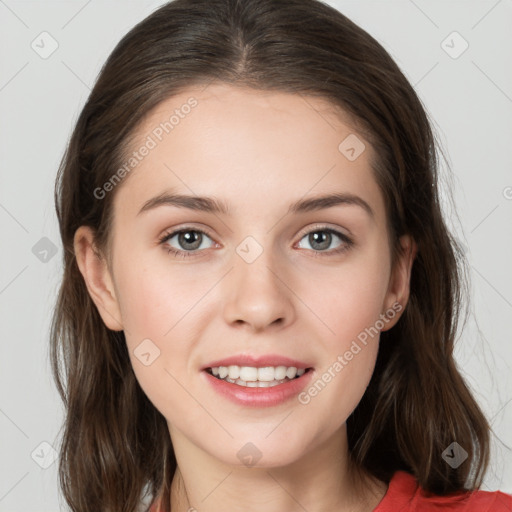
{"points": [[320, 481]]}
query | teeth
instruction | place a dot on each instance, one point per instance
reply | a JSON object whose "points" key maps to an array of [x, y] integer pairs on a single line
{"points": [[280, 372], [291, 372], [233, 372], [251, 376], [266, 374], [247, 373]]}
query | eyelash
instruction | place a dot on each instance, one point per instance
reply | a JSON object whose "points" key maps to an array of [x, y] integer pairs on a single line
{"points": [[348, 243]]}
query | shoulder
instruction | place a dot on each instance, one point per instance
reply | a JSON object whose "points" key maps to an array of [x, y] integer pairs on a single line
{"points": [[405, 494]]}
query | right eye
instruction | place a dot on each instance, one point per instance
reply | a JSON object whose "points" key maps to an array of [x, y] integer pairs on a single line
{"points": [[190, 240]]}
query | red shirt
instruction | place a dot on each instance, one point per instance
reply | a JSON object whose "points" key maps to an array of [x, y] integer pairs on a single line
{"points": [[405, 495]]}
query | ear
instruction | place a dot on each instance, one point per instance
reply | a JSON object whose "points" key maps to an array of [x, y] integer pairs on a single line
{"points": [[399, 282], [100, 285]]}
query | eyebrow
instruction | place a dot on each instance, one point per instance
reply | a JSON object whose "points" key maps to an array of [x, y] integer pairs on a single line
{"points": [[213, 205]]}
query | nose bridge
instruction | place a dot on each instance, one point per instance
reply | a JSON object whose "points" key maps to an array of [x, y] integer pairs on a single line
{"points": [[256, 294]]}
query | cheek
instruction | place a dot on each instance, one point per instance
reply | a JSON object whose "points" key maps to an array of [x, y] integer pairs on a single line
{"points": [[153, 298], [352, 311], [347, 299], [155, 310], [159, 308], [349, 302]]}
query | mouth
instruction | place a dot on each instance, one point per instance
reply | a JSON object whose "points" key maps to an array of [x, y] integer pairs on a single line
{"points": [[257, 377]]}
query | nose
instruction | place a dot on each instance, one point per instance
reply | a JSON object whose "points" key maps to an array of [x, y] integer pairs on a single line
{"points": [[257, 295]]}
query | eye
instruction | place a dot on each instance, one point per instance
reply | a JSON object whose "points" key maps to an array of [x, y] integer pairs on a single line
{"points": [[189, 241], [320, 239]]}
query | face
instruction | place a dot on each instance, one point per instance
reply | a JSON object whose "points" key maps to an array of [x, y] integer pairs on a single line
{"points": [[191, 287]]}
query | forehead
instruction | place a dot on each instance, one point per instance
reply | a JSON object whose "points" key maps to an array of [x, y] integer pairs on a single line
{"points": [[249, 146]]}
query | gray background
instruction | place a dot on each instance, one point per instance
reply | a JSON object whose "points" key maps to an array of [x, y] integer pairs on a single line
{"points": [[469, 99]]}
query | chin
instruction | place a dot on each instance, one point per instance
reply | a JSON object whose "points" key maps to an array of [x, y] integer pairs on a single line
{"points": [[261, 452]]}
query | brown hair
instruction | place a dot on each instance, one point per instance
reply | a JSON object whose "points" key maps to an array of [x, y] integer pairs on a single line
{"points": [[116, 444]]}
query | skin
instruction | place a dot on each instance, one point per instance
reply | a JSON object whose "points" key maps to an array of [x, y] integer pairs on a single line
{"points": [[259, 152]]}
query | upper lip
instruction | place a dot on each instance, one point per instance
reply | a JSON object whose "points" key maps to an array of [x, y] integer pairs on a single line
{"points": [[257, 361]]}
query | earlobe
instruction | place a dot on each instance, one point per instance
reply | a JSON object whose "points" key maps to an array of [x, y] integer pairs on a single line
{"points": [[399, 283], [97, 277]]}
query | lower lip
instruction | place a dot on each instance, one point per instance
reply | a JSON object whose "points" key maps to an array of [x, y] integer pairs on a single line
{"points": [[259, 397]]}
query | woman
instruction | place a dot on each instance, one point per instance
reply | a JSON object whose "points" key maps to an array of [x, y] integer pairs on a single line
{"points": [[299, 353]]}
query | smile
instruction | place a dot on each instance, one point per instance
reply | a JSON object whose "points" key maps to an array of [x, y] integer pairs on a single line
{"points": [[253, 386], [251, 376]]}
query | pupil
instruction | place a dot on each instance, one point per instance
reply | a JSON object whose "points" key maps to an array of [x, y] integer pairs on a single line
{"points": [[324, 236], [186, 238]]}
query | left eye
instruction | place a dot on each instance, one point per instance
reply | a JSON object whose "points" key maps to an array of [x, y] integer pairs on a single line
{"points": [[321, 239]]}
